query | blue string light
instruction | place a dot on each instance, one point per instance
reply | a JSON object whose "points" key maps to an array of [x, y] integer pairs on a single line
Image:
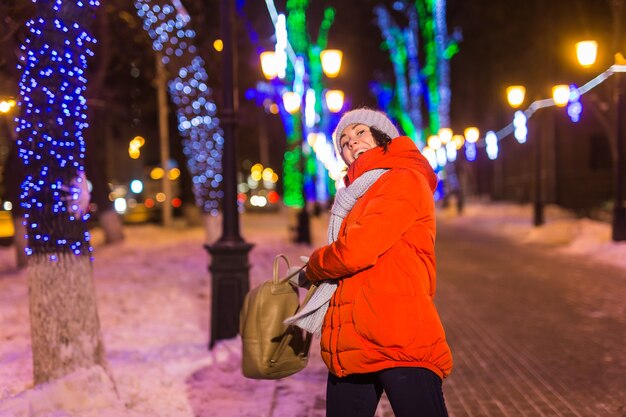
{"points": [[519, 123], [202, 137], [53, 116], [574, 107], [470, 151], [491, 140]]}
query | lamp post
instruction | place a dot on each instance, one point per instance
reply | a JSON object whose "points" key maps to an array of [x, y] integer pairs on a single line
{"points": [[515, 96], [229, 255], [586, 52], [619, 211], [301, 99], [331, 65]]}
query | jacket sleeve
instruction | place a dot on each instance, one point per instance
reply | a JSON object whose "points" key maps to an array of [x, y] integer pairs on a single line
{"points": [[388, 215]]}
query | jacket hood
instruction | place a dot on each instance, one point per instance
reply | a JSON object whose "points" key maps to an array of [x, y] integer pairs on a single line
{"points": [[401, 153]]}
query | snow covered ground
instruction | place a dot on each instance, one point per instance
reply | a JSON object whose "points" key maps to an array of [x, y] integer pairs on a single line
{"points": [[562, 232], [153, 299]]}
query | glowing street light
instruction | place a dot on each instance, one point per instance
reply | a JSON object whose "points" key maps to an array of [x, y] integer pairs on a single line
{"points": [[291, 101], [560, 95], [586, 52], [515, 95], [331, 62], [269, 66], [334, 100]]}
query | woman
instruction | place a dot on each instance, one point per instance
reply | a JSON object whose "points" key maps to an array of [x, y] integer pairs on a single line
{"points": [[381, 331]]}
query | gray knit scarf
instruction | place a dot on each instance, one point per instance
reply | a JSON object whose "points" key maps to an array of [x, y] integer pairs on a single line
{"points": [[311, 316]]}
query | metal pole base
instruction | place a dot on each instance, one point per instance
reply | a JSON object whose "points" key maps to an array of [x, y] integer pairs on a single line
{"points": [[538, 219], [303, 228], [229, 284], [619, 224]]}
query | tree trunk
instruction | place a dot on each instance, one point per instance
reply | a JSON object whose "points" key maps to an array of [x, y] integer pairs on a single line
{"points": [[65, 329]]}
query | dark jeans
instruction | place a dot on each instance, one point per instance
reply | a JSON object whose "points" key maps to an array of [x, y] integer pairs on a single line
{"points": [[412, 392]]}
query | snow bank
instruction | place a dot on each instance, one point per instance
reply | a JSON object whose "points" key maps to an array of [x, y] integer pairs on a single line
{"points": [[86, 392]]}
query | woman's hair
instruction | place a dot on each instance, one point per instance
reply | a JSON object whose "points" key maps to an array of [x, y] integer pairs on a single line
{"points": [[381, 138]]}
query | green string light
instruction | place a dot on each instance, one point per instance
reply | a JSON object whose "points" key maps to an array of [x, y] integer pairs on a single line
{"points": [[300, 169], [425, 9], [296, 25], [292, 173]]}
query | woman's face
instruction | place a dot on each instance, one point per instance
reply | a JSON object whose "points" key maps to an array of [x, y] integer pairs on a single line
{"points": [[354, 141]]}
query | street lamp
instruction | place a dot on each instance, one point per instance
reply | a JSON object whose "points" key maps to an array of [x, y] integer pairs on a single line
{"points": [[515, 96], [301, 93], [229, 255], [560, 95], [291, 101], [331, 65], [586, 52], [269, 66], [331, 62], [334, 100], [619, 211]]}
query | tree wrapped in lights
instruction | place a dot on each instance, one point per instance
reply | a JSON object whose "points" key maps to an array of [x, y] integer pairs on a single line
{"points": [[304, 165], [167, 24], [65, 329], [415, 84]]}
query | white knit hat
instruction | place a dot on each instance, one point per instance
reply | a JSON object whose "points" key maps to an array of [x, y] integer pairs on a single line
{"points": [[367, 117]]}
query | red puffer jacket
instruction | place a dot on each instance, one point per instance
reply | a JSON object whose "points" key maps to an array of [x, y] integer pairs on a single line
{"points": [[382, 314]]}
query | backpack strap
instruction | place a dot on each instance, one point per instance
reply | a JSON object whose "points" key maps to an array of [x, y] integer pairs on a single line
{"points": [[288, 335]]}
